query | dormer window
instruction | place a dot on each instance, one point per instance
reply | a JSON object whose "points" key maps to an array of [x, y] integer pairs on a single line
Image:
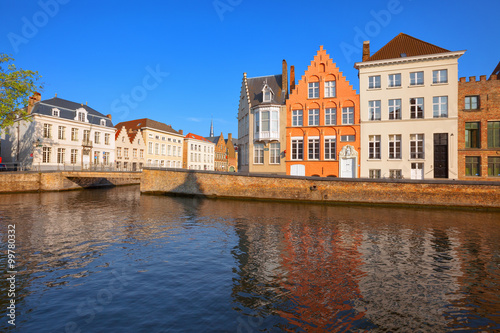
{"points": [[81, 115], [103, 122], [267, 94], [55, 112]]}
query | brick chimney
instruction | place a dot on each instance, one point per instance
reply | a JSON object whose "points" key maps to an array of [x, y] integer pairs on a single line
{"points": [[292, 78], [284, 78], [366, 50], [181, 132], [229, 137], [32, 100], [109, 116]]}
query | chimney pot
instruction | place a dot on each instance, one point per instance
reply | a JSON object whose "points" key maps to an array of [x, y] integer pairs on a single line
{"points": [[284, 79], [181, 132], [109, 116], [292, 78]]}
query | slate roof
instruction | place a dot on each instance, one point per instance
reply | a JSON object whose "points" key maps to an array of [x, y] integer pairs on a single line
{"points": [[68, 110], [146, 123], [196, 137], [408, 45], [255, 85]]}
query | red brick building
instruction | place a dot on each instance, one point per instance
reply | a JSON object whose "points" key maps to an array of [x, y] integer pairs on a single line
{"points": [[479, 128]]}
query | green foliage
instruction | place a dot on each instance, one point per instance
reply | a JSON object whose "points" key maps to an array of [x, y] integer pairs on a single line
{"points": [[16, 86]]}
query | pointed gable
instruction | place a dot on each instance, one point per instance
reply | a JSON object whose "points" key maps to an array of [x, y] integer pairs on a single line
{"points": [[407, 46]]}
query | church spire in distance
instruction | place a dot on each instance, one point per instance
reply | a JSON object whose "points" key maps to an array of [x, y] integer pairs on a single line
{"points": [[212, 128]]}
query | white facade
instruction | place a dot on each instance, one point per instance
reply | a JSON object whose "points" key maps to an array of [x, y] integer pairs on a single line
{"points": [[53, 143], [409, 113], [199, 154], [130, 150]]}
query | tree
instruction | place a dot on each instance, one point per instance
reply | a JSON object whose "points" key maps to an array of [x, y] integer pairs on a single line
{"points": [[16, 86]]}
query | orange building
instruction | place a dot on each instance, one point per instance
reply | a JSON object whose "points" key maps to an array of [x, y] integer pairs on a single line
{"points": [[322, 133]]}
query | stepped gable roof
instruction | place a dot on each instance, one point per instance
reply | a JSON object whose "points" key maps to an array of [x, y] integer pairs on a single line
{"points": [[496, 71], [255, 85], [146, 123], [68, 110], [196, 137], [405, 44]]}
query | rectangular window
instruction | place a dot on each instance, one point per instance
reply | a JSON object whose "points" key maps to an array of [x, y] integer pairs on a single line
{"points": [[374, 82], [157, 149], [274, 121], [179, 151], [473, 166], [163, 149], [46, 152], [274, 153], [374, 110], [416, 146], [297, 149], [374, 173], [417, 108], [348, 116], [440, 76], [97, 155], [105, 158], [74, 155], [313, 89], [150, 148], [330, 149], [81, 116], [47, 131], [86, 136], [395, 173], [97, 137], [169, 150], [394, 80], [106, 139], [118, 152], [374, 147], [416, 78], [394, 146], [258, 153], [314, 117], [493, 134], [347, 138], [61, 133], [265, 121], [60, 155], [141, 153], [440, 106], [330, 89], [134, 153], [493, 166], [472, 102], [394, 109], [74, 134], [313, 148], [297, 118], [125, 152], [472, 135], [331, 116]]}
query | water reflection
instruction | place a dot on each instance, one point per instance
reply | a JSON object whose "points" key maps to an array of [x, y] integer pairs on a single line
{"points": [[220, 265]]}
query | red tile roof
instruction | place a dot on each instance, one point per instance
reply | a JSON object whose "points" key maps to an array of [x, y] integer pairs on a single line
{"points": [[405, 44], [196, 137], [145, 122]]}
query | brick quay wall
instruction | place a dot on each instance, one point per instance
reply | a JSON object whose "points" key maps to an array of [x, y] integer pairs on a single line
{"points": [[16, 182], [464, 194]]}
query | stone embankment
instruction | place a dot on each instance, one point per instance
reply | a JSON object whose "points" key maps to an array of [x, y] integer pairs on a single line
{"points": [[13, 182], [444, 193]]}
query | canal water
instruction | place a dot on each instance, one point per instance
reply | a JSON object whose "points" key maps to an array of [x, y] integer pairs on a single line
{"points": [[113, 260]]}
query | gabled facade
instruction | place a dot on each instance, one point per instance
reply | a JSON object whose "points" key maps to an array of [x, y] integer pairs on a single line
{"points": [[164, 144], [479, 128], [232, 154], [130, 149], [323, 131], [409, 111], [198, 153], [60, 135], [220, 153], [261, 123]]}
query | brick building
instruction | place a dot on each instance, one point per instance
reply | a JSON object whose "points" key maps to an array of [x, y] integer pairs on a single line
{"points": [[322, 133], [479, 128], [220, 155]]}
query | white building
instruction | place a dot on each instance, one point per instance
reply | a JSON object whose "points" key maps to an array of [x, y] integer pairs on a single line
{"points": [[198, 153], [409, 111], [130, 149], [60, 135]]}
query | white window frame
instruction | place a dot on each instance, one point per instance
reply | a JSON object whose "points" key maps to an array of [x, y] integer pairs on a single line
{"points": [[330, 89], [258, 153], [330, 148], [331, 116], [61, 152], [348, 115], [394, 80], [313, 119], [297, 148], [394, 109], [374, 151], [313, 148], [47, 131], [440, 106], [297, 118], [440, 76], [417, 78], [374, 110], [417, 148], [418, 103], [374, 82], [274, 153], [61, 133], [394, 146]]}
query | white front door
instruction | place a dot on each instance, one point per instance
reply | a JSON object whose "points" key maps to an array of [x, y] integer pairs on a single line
{"points": [[298, 170], [347, 168], [86, 160], [417, 171]]}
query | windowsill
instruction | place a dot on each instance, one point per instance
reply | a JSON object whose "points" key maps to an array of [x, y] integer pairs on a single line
{"points": [[416, 159], [313, 98], [439, 83], [472, 110], [330, 97], [374, 159], [374, 119], [396, 87], [439, 117], [416, 85], [394, 159], [394, 119], [372, 89]]}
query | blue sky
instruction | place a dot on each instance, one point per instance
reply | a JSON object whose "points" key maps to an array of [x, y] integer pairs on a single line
{"points": [[182, 62]]}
